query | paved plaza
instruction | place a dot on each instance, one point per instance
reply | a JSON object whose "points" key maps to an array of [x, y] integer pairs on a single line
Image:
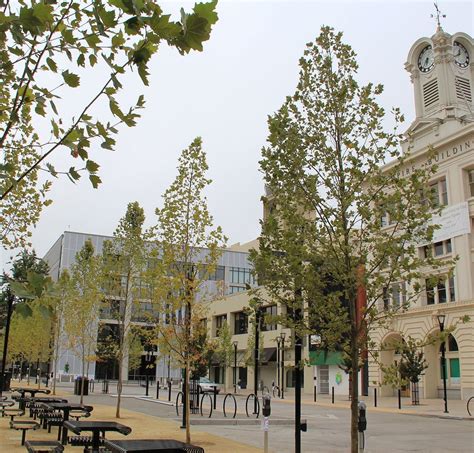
{"points": [[388, 430]]}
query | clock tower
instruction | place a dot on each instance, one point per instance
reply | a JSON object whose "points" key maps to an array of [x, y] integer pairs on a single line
{"points": [[442, 73]]}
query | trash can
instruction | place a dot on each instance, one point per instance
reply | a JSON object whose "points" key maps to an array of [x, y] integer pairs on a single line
{"points": [[6, 381], [78, 385]]}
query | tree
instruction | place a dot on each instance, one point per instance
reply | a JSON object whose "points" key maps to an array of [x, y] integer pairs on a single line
{"points": [[330, 189], [187, 250], [224, 349], [46, 51], [64, 291], [28, 280], [125, 260], [31, 335], [82, 309]]}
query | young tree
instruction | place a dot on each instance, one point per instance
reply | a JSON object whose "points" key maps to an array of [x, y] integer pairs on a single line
{"points": [[82, 308], [327, 191], [31, 335], [46, 50], [64, 291], [224, 350], [125, 261], [188, 249]]}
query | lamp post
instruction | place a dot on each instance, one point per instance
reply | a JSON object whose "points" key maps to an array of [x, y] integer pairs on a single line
{"points": [[150, 352], [278, 340], [441, 319], [235, 343], [283, 335]]}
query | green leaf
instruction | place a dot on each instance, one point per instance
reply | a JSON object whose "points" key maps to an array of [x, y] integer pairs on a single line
{"points": [[118, 39], [23, 309], [207, 11], [81, 60], [43, 12], [93, 40], [74, 174], [91, 166], [52, 64], [71, 79], [164, 28], [52, 170], [95, 180], [92, 59]]}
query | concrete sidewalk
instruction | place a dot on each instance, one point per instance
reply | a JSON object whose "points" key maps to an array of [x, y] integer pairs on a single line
{"points": [[427, 408]]}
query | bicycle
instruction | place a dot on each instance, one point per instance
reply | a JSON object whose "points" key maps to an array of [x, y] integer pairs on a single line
{"points": [[275, 391], [467, 405]]}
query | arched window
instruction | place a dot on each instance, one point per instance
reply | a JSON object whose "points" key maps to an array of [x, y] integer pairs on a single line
{"points": [[453, 365]]}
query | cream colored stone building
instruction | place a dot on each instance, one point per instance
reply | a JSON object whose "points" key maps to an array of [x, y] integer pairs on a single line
{"points": [[442, 73]]}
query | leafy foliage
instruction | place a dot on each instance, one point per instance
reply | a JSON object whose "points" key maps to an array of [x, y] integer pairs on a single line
{"points": [[46, 51], [331, 173], [187, 250]]}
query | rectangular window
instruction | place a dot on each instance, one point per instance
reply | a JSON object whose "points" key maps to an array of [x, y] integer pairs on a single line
{"points": [[454, 369], [241, 275], [267, 313], [442, 297], [236, 289], [430, 293], [438, 192], [217, 275], [452, 291], [220, 321], [240, 323], [470, 174], [438, 249]]}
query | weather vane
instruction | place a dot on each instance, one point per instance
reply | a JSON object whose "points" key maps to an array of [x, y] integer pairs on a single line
{"points": [[438, 14]]}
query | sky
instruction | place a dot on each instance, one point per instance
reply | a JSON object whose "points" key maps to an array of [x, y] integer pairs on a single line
{"points": [[225, 94]]}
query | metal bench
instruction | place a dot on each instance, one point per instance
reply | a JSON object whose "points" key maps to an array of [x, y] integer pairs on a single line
{"points": [[82, 441], [43, 446], [13, 412], [23, 426]]}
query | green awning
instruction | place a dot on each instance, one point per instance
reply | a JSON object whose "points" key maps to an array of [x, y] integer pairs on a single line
{"points": [[325, 357]]}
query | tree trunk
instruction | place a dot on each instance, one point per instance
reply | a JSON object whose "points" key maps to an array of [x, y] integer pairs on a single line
{"points": [[83, 371], [119, 386], [187, 399], [355, 382]]}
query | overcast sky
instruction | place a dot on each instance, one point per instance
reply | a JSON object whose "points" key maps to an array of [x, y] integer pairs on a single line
{"points": [[225, 94]]}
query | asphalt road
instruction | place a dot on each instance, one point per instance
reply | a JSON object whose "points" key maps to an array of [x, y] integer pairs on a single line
{"points": [[328, 429]]}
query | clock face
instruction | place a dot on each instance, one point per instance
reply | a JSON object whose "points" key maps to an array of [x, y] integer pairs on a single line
{"points": [[461, 55], [426, 59]]}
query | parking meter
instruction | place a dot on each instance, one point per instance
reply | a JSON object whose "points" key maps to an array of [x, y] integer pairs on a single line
{"points": [[266, 409], [362, 424]]}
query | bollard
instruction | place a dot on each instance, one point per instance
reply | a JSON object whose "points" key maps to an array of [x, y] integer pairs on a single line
{"points": [[169, 390], [266, 411], [332, 395], [157, 390], [215, 397], [147, 385], [399, 399], [375, 397], [314, 393]]}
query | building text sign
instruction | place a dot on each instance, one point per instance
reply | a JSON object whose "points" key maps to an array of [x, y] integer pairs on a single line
{"points": [[453, 221]]}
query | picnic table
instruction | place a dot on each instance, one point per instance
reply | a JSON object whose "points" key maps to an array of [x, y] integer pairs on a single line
{"points": [[97, 427], [66, 408], [150, 446], [31, 391]]}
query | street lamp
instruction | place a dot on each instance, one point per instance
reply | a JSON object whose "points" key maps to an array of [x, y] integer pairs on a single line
{"points": [[235, 343], [150, 352], [441, 319], [278, 340], [283, 335]]}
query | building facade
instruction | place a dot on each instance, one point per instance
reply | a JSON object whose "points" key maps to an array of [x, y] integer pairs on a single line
{"points": [[442, 72], [231, 275]]}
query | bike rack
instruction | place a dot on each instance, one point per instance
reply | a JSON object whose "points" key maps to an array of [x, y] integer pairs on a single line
{"points": [[255, 397], [202, 400], [180, 394], [235, 405]]}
